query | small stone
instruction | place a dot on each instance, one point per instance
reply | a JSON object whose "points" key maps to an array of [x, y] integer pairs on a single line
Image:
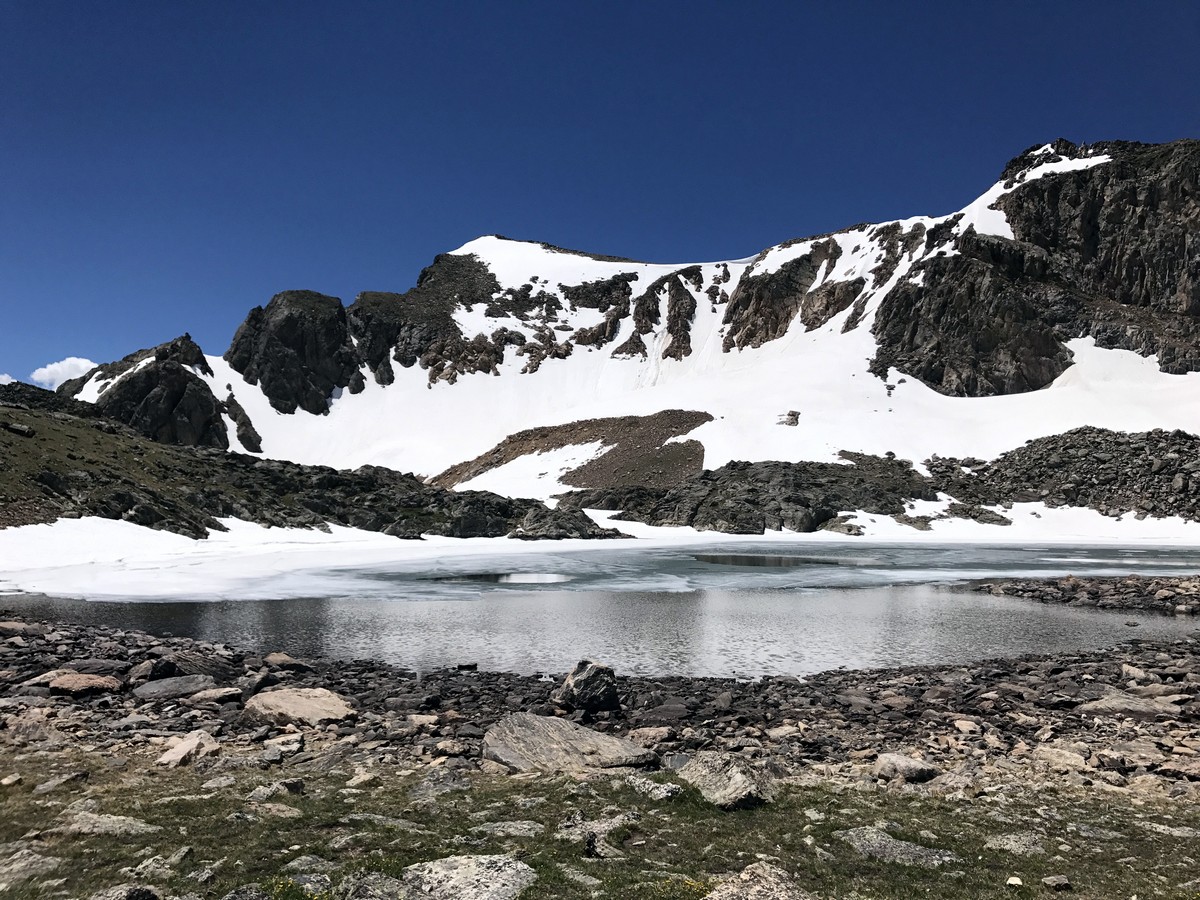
{"points": [[10, 780], [1057, 882], [283, 661], [1014, 881]]}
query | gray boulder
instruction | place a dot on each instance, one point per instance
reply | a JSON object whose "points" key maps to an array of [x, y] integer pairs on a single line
{"points": [[497, 877], [728, 781], [174, 688], [590, 686], [897, 765], [528, 743], [760, 881]]}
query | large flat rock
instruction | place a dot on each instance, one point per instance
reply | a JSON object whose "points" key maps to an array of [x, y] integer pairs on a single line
{"points": [[301, 706], [1117, 703], [469, 878], [528, 743], [174, 688], [875, 843], [760, 881]]}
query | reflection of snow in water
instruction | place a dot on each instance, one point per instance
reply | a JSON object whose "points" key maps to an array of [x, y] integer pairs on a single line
{"points": [[507, 578], [659, 610]]}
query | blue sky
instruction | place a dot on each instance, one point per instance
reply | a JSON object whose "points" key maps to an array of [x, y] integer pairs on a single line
{"points": [[166, 166]]}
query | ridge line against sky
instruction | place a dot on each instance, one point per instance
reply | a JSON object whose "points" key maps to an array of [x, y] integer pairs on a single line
{"points": [[169, 166]]}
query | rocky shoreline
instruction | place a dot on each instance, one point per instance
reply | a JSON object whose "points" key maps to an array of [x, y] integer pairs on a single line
{"points": [[1122, 723], [1173, 596]]}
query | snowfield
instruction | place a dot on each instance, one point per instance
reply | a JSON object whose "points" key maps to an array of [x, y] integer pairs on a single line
{"points": [[103, 559]]}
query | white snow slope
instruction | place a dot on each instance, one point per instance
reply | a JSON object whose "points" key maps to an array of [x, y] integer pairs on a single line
{"points": [[413, 426]]}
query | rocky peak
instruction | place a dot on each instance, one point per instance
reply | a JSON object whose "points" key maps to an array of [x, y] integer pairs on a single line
{"points": [[298, 350], [1102, 250]]}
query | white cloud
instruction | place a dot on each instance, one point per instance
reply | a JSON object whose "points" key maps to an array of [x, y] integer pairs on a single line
{"points": [[6, 378], [53, 374]]}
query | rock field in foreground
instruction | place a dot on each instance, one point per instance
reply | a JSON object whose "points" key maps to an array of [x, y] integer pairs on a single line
{"points": [[196, 768]]}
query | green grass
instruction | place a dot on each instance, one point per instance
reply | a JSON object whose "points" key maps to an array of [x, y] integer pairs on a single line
{"points": [[675, 851]]}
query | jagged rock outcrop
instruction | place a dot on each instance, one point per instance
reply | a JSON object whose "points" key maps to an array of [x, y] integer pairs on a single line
{"points": [[167, 402], [1107, 251], [158, 392], [298, 350], [418, 326], [749, 498], [182, 350]]}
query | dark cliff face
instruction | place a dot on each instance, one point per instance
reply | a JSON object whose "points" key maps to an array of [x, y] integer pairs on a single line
{"points": [[418, 326], [298, 350], [1108, 252]]}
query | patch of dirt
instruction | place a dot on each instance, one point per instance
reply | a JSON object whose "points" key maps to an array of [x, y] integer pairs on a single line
{"points": [[637, 452]]}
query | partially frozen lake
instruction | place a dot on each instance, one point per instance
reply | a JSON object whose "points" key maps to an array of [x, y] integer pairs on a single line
{"points": [[744, 609]]}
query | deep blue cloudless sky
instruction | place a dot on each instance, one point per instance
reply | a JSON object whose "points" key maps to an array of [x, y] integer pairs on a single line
{"points": [[166, 166]]}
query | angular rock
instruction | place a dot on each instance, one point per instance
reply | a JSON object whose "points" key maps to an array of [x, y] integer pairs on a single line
{"points": [[99, 823], [728, 781], [371, 886], [216, 695], [25, 864], [590, 686], [525, 743], [301, 706], [469, 878], [174, 688], [193, 746], [1119, 703]]}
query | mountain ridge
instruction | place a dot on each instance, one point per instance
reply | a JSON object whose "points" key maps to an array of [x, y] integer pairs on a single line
{"points": [[1075, 250]]}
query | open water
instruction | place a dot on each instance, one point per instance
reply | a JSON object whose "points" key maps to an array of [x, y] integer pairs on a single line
{"points": [[742, 610]]}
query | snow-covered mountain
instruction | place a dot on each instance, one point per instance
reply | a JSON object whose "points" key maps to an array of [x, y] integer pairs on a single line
{"points": [[1067, 294]]}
